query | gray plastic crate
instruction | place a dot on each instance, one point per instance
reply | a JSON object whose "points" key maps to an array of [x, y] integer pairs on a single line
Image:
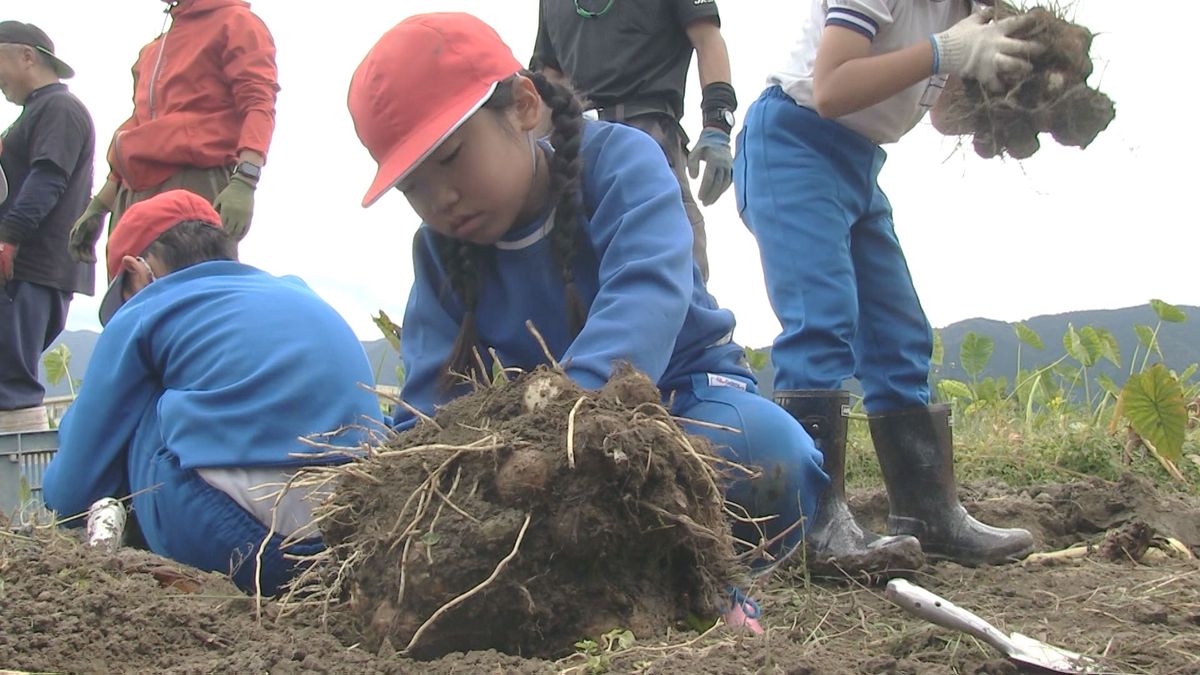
{"points": [[24, 455]]}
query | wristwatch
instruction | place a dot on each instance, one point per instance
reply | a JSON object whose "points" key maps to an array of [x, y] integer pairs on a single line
{"points": [[721, 118], [251, 171]]}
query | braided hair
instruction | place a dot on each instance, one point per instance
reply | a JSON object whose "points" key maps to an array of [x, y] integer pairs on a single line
{"points": [[463, 260]]}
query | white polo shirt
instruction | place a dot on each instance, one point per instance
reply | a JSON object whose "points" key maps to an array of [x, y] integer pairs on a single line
{"points": [[891, 25]]}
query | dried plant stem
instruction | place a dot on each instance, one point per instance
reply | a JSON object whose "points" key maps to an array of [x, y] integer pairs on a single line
{"points": [[545, 348]]}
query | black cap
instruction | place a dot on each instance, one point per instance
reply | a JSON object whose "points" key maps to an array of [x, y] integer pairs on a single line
{"points": [[17, 33]]}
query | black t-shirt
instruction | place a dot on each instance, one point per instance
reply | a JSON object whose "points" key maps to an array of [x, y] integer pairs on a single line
{"points": [[53, 127], [637, 52]]}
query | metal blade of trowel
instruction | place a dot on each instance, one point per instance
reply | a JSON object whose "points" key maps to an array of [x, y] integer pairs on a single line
{"points": [[1020, 649]]}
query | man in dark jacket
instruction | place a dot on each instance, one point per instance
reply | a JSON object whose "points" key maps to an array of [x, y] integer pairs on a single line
{"points": [[203, 115], [47, 168], [630, 60]]}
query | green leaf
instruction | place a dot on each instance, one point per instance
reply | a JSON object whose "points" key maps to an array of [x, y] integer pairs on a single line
{"points": [[498, 375], [948, 390], [1073, 343], [1109, 349], [389, 329], [1108, 384], [1168, 312], [1145, 335], [757, 358], [992, 390], [939, 350], [975, 352], [431, 538], [1028, 336], [1153, 402], [56, 362], [1089, 337], [400, 374], [1188, 373]]}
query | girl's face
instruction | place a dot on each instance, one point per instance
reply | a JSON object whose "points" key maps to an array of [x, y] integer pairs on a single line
{"points": [[484, 178]]}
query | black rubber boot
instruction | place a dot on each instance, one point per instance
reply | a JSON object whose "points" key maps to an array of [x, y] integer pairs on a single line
{"points": [[835, 544], [916, 452]]}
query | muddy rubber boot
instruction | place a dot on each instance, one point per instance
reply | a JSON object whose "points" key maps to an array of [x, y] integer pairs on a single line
{"points": [[835, 545], [916, 452]]}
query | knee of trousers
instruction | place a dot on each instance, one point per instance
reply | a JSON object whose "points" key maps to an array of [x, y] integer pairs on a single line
{"points": [[787, 478]]}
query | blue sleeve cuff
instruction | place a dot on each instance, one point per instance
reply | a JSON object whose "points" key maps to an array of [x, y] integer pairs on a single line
{"points": [[855, 21]]}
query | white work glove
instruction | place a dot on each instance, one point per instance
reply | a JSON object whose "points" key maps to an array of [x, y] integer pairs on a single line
{"points": [[981, 49]]}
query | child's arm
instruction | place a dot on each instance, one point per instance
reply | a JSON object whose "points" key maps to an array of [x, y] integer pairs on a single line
{"points": [[847, 78], [643, 240], [95, 434], [428, 336]]}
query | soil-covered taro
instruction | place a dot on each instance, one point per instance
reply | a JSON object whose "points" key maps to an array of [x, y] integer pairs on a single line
{"points": [[1053, 97], [523, 518]]}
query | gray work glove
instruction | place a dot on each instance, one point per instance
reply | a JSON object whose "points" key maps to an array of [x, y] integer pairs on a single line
{"points": [[86, 232], [712, 149], [236, 206]]}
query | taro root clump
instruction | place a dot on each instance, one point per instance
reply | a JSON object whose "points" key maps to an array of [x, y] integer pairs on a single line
{"points": [[1054, 97], [523, 518]]}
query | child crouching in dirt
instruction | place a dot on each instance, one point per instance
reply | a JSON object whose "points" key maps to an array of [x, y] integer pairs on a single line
{"points": [[862, 74], [205, 375], [586, 237]]}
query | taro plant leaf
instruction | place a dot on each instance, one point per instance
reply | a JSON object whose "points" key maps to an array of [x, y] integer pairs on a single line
{"points": [[1168, 312], [992, 390], [389, 329], [975, 352], [1145, 335], [1109, 349], [1089, 337], [948, 390], [757, 358], [1029, 336], [56, 362], [1073, 343], [1188, 373], [1107, 384], [939, 350], [1153, 402]]}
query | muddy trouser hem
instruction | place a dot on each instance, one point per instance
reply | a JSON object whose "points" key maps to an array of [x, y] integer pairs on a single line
{"points": [[207, 183], [186, 519], [766, 437], [31, 317], [665, 131], [807, 188]]}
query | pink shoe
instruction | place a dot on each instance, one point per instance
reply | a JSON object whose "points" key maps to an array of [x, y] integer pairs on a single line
{"points": [[743, 615]]}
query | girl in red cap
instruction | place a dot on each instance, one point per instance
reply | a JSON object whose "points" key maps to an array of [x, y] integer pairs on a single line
{"points": [[585, 236]]}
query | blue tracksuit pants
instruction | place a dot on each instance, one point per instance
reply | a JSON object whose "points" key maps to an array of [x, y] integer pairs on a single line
{"points": [[184, 518], [767, 438], [807, 188]]}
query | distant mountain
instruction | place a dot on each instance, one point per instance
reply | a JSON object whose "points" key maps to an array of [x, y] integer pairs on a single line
{"points": [[1180, 345], [1179, 342]]}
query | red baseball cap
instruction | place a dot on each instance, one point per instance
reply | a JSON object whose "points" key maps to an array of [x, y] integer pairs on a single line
{"points": [[420, 82], [139, 226]]}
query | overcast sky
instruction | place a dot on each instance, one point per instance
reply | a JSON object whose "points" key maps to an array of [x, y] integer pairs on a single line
{"points": [[1065, 230]]}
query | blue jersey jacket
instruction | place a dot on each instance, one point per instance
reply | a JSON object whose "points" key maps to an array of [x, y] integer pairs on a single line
{"points": [[647, 303], [222, 364]]}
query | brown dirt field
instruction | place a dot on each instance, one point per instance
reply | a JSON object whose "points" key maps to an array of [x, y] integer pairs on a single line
{"points": [[69, 608]]}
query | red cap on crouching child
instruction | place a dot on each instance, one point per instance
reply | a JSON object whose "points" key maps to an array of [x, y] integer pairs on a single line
{"points": [[139, 226], [420, 82]]}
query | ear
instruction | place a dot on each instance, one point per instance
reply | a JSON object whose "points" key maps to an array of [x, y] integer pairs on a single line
{"points": [[527, 104], [137, 276]]}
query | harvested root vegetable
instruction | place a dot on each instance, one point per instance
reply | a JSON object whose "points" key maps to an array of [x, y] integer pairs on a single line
{"points": [[1054, 97], [523, 518]]}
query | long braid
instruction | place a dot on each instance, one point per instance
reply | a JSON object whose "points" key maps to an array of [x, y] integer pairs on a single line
{"points": [[462, 261], [565, 168]]}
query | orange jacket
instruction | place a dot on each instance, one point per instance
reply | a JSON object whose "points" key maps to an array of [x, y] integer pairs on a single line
{"points": [[202, 92]]}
